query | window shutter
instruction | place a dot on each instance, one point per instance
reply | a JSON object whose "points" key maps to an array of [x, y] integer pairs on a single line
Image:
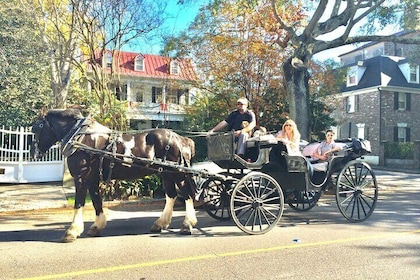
{"points": [[395, 134], [408, 101], [395, 100], [407, 134], [356, 103], [153, 94]]}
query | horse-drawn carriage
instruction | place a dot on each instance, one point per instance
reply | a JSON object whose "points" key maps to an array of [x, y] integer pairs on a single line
{"points": [[251, 191], [254, 189]]}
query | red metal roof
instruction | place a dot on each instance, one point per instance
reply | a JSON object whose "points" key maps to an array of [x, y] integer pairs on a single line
{"points": [[155, 66]]}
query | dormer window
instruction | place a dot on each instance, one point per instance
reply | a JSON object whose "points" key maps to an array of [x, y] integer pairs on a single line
{"points": [[352, 76], [414, 74], [108, 60], [139, 63], [174, 67]]}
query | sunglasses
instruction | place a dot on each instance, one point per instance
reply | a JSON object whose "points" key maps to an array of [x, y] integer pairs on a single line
{"points": [[239, 103], [287, 125]]}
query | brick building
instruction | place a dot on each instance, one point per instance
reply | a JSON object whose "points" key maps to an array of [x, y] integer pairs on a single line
{"points": [[381, 98]]}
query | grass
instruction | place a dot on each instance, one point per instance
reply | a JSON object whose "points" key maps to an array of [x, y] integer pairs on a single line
{"points": [[72, 198]]}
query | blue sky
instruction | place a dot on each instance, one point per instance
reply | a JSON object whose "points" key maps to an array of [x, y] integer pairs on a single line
{"points": [[178, 18]]}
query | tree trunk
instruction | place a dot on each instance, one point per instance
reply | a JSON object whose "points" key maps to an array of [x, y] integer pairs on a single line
{"points": [[297, 89], [60, 80]]}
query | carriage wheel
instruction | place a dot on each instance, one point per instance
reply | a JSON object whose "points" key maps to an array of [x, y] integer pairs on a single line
{"points": [[356, 191], [217, 198], [257, 203], [304, 200]]}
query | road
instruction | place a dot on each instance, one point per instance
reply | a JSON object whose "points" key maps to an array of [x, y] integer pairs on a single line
{"points": [[319, 244]]}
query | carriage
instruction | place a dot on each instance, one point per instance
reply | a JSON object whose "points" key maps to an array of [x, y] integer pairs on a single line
{"points": [[253, 189]]}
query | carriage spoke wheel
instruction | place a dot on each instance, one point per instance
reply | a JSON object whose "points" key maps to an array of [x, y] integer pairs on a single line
{"points": [[217, 198], [356, 191], [257, 203], [304, 200]]}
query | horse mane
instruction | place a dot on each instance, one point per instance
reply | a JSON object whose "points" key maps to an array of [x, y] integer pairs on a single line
{"points": [[65, 113]]}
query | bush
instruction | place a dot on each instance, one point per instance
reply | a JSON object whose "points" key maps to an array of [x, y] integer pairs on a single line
{"points": [[399, 150], [123, 190]]}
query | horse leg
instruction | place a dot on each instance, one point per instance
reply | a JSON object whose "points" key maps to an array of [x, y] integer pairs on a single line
{"points": [[100, 219], [166, 217], [190, 219], [77, 226]]}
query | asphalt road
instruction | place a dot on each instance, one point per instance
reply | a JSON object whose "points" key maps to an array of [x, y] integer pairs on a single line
{"points": [[319, 244]]}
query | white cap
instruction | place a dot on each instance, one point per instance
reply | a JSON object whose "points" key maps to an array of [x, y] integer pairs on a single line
{"points": [[243, 100]]}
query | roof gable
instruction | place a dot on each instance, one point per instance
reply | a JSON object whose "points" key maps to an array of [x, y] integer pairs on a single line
{"points": [[381, 71], [155, 66]]}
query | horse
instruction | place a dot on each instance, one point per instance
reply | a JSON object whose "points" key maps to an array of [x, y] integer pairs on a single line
{"points": [[95, 152]]}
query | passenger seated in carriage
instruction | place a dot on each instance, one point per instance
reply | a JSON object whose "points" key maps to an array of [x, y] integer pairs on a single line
{"points": [[290, 136], [324, 151], [242, 121]]}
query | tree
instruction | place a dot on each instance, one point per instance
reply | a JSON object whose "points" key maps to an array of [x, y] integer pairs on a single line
{"points": [[326, 79], [56, 24], [315, 33], [104, 28], [234, 57], [24, 66]]}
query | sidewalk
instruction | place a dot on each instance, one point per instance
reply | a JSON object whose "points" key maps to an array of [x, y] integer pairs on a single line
{"points": [[20, 197]]}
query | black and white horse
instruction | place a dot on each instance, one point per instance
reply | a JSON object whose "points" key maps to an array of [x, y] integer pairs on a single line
{"points": [[95, 152]]}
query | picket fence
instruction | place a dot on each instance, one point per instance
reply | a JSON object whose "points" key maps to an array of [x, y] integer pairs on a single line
{"points": [[16, 163]]}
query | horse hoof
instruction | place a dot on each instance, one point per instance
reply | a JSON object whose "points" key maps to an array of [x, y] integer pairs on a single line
{"points": [[185, 230], [94, 232], [155, 229], [68, 238]]}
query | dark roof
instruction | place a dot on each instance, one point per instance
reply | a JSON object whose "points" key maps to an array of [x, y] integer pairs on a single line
{"points": [[377, 70]]}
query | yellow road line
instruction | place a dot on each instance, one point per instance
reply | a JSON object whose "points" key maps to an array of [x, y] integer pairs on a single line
{"points": [[212, 256]]}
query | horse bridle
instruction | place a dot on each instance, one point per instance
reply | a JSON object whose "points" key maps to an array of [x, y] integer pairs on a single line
{"points": [[40, 127], [66, 139]]}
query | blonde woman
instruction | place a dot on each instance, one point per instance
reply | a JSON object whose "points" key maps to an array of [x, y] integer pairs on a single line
{"points": [[290, 136]]}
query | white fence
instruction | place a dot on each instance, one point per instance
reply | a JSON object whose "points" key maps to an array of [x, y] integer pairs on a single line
{"points": [[17, 165]]}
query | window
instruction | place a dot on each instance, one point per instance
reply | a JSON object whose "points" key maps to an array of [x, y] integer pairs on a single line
{"points": [[139, 97], [139, 63], [402, 133], [402, 101], [108, 60], [121, 92], [352, 104], [174, 67], [177, 96], [414, 74], [156, 95], [352, 76]]}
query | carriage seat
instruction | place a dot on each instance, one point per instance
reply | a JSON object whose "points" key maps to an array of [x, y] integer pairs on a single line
{"points": [[261, 140], [317, 165]]}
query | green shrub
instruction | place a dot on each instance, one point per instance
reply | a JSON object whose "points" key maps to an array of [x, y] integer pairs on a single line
{"points": [[124, 189], [399, 150]]}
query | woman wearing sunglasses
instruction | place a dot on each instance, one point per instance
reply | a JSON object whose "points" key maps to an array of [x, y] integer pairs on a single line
{"points": [[290, 136]]}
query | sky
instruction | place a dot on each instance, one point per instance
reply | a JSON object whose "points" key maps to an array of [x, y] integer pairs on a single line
{"points": [[178, 18]]}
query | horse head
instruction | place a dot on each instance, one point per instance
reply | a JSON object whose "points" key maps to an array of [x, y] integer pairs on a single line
{"points": [[51, 127]]}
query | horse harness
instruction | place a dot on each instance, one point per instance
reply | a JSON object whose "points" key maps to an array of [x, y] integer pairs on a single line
{"points": [[72, 142]]}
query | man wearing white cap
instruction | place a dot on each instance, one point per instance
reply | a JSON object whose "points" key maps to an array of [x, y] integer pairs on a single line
{"points": [[242, 121]]}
